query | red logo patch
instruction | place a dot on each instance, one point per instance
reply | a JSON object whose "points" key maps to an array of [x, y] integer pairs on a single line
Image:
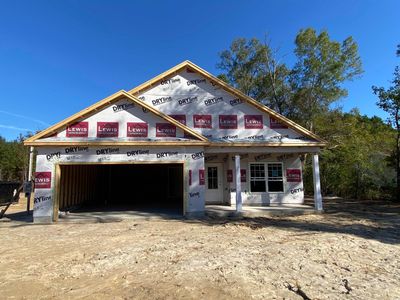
{"points": [[136, 129], [179, 118], [107, 129], [229, 175], [228, 122], [165, 130], [253, 122], [275, 124], [42, 180], [182, 119], [202, 121], [242, 175], [80, 129], [202, 179], [293, 175]]}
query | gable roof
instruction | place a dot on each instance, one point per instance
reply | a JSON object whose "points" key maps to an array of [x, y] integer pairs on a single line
{"points": [[202, 140], [32, 141], [193, 67]]}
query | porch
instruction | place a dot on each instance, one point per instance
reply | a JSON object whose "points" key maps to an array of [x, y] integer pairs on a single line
{"points": [[226, 211], [270, 179]]}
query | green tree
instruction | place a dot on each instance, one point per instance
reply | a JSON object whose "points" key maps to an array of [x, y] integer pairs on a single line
{"points": [[389, 101], [322, 67], [252, 67], [354, 163], [314, 83], [13, 159]]}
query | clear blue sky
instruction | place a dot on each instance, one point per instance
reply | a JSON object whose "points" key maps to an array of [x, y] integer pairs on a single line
{"points": [[58, 57]]}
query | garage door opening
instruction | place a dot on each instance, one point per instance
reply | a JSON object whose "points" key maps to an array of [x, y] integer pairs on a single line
{"points": [[154, 188]]}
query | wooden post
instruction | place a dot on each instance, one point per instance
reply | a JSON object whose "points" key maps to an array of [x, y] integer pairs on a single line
{"points": [[238, 185], [70, 186], [28, 198], [317, 184], [56, 193]]}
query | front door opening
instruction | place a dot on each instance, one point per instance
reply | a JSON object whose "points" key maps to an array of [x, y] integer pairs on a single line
{"points": [[214, 191]]}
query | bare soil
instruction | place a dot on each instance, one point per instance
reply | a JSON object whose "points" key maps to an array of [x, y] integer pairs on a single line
{"points": [[352, 251]]}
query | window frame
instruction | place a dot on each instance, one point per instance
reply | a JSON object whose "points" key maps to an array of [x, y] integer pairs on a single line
{"points": [[266, 178], [214, 179], [262, 179], [283, 177]]}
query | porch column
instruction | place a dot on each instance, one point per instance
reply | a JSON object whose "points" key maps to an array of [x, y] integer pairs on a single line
{"points": [[238, 184], [317, 184]]}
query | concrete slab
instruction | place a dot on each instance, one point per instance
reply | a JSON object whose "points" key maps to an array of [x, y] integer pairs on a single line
{"points": [[116, 215], [222, 211], [213, 211]]}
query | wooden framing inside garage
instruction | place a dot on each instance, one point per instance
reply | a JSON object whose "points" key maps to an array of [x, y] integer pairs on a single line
{"points": [[71, 182]]}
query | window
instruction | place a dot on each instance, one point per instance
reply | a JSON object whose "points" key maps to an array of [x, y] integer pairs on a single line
{"points": [[257, 178], [260, 180], [212, 178], [275, 178]]}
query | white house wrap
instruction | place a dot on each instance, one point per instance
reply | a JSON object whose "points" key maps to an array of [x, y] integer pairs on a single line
{"points": [[188, 123]]}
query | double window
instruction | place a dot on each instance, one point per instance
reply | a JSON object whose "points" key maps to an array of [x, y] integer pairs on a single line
{"points": [[266, 177]]}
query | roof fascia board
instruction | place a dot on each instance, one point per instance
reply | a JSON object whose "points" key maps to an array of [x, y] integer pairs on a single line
{"points": [[266, 144], [172, 143], [117, 143]]}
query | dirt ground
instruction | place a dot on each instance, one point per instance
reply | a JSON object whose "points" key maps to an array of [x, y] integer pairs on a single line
{"points": [[350, 252]]}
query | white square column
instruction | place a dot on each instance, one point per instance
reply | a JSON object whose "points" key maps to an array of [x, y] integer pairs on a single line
{"points": [[317, 183], [238, 184]]}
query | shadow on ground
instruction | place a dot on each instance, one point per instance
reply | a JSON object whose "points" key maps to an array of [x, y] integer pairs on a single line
{"points": [[21, 216], [376, 220]]}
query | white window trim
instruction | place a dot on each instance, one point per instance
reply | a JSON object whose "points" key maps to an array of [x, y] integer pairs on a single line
{"points": [[265, 163]]}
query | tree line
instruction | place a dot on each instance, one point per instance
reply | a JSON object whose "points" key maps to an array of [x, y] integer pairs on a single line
{"points": [[14, 158], [362, 157]]}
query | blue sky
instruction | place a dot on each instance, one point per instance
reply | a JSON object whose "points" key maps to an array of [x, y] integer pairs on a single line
{"points": [[58, 57]]}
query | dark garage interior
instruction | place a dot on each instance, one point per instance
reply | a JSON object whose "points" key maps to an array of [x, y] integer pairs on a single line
{"points": [[122, 187]]}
